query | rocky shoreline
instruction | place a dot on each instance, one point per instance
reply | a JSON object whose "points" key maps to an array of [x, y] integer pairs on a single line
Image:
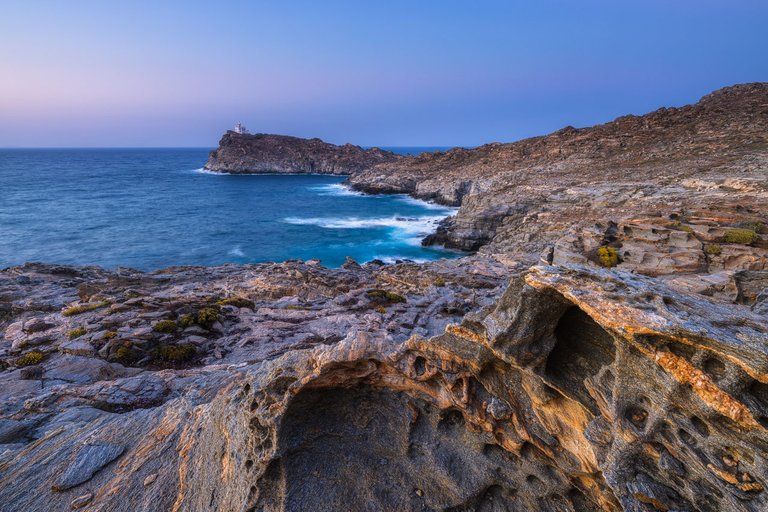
{"points": [[605, 348]]}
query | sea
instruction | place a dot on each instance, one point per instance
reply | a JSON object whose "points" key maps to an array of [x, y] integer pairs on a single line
{"points": [[154, 208]]}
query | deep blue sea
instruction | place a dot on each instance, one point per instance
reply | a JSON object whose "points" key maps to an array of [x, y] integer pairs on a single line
{"points": [[154, 208]]}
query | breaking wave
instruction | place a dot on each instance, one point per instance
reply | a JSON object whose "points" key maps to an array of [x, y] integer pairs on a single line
{"points": [[408, 229]]}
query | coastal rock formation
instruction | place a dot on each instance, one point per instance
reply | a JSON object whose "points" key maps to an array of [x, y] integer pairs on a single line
{"points": [[575, 389], [242, 153], [605, 349]]}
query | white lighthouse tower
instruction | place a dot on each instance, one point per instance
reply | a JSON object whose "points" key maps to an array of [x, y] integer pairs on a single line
{"points": [[241, 129]]}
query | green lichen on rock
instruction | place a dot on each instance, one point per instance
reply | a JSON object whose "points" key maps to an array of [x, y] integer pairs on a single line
{"points": [[713, 249], [378, 295], [76, 332], [238, 302], [30, 358], [176, 353], [608, 256], [741, 236], [165, 326], [83, 308]]}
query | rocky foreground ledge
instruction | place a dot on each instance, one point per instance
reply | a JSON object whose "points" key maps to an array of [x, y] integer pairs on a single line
{"points": [[396, 387], [606, 348]]}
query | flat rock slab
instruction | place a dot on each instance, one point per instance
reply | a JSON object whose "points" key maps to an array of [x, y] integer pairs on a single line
{"points": [[90, 459]]}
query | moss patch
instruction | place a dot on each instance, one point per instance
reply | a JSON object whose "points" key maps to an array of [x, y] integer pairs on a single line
{"points": [[126, 354], [206, 317], [83, 308], [713, 249], [238, 302], [378, 295], [608, 256], [77, 332], [165, 326], [176, 353], [30, 358], [109, 335], [741, 236]]}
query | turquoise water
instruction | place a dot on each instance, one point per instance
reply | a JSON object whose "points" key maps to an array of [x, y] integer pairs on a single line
{"points": [[154, 208]]}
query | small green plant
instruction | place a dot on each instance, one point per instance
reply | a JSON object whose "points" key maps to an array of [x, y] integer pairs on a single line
{"points": [[186, 321], [377, 295], [381, 309], [713, 249], [741, 236], [165, 326], [77, 332], [126, 354], [83, 308], [294, 307], [238, 302], [109, 335], [608, 256], [756, 226], [176, 353], [680, 226], [206, 317], [439, 282], [30, 358]]}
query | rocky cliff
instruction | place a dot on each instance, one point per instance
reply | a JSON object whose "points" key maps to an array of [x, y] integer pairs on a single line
{"points": [[627, 369], [264, 153]]}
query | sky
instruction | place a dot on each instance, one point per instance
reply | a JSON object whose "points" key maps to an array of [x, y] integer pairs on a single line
{"points": [[388, 73]]}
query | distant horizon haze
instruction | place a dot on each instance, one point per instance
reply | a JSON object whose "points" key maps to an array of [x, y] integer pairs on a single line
{"points": [[434, 73]]}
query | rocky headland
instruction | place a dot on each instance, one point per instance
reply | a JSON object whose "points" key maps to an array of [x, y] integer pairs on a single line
{"points": [[261, 153], [604, 348]]}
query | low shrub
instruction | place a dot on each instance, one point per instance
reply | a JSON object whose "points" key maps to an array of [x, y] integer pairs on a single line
{"points": [[741, 236], [83, 308], [176, 353], [381, 309], [206, 317], [30, 358], [186, 321], [77, 332], [109, 335], [165, 326], [439, 282], [713, 249], [238, 302], [680, 226], [377, 295], [608, 256], [126, 354]]}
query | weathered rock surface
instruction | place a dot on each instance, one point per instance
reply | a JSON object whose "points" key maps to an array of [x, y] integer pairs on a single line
{"points": [[575, 389], [264, 153]]}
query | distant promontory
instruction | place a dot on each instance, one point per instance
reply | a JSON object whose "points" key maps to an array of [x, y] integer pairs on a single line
{"points": [[260, 153]]}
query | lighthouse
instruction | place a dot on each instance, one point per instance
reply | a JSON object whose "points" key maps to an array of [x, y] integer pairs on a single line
{"points": [[241, 129]]}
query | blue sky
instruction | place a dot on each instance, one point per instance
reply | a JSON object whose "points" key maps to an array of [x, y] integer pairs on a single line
{"points": [[140, 73]]}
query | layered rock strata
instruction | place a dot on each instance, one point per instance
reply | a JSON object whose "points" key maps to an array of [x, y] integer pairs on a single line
{"points": [[576, 389]]}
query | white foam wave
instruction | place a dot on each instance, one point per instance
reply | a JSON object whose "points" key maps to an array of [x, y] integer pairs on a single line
{"points": [[335, 189], [449, 210], [409, 229], [236, 251]]}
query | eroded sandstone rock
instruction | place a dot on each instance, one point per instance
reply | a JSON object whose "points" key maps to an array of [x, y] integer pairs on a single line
{"points": [[578, 389]]}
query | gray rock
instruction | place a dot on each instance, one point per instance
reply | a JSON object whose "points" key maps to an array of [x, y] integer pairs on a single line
{"points": [[90, 459]]}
